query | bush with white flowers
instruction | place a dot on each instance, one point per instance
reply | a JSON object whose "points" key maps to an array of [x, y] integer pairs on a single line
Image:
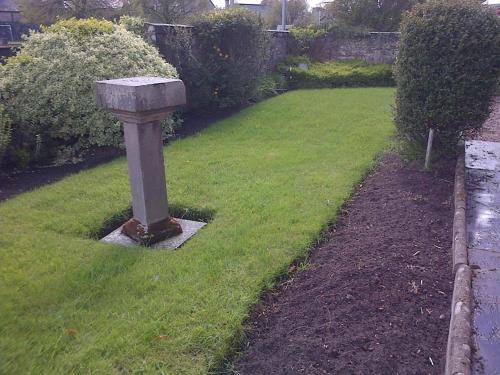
{"points": [[48, 87]]}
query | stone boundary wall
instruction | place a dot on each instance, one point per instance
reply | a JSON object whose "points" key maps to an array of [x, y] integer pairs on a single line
{"points": [[371, 47], [380, 47], [281, 46]]}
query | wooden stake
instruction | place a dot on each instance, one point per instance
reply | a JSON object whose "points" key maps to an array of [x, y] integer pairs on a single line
{"points": [[429, 148]]}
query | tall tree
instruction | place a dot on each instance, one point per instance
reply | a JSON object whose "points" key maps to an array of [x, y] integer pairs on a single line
{"points": [[41, 12], [172, 11], [297, 12], [88, 8], [377, 15], [132, 8], [47, 11]]}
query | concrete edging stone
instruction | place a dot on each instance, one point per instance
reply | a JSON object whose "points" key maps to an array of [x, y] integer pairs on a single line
{"points": [[458, 351], [459, 247]]}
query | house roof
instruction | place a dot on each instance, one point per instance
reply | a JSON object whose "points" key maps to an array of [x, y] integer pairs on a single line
{"points": [[8, 6]]}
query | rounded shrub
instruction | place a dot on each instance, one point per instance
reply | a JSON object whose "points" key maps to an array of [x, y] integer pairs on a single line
{"points": [[48, 86], [229, 51], [447, 69]]}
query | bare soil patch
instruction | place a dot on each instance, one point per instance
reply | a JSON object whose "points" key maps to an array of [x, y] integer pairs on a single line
{"points": [[376, 297]]}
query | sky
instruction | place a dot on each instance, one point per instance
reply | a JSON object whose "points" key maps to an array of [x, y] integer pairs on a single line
{"points": [[220, 3]]}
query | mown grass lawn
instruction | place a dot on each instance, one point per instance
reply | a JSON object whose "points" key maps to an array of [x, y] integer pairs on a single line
{"points": [[274, 176]]}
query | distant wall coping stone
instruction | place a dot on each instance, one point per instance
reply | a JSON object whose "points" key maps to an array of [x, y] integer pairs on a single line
{"points": [[168, 25]]}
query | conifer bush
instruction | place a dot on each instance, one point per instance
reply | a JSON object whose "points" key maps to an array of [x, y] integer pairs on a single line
{"points": [[230, 49], [447, 69], [220, 57]]}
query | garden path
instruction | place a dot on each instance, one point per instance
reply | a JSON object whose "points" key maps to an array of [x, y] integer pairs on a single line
{"points": [[491, 128], [482, 154]]}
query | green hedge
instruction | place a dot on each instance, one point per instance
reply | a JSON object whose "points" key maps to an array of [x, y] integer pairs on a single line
{"points": [[447, 70], [231, 46], [220, 58], [5, 131], [133, 24], [337, 74]]}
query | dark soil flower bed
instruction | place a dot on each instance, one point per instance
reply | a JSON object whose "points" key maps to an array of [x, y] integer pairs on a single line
{"points": [[13, 182], [377, 294]]}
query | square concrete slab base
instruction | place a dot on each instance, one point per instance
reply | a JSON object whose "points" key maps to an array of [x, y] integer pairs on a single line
{"points": [[189, 229]]}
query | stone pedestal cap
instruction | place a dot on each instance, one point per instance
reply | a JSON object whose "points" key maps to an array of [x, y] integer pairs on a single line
{"points": [[140, 94]]}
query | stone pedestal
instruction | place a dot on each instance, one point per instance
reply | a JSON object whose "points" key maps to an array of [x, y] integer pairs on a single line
{"points": [[141, 103]]}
